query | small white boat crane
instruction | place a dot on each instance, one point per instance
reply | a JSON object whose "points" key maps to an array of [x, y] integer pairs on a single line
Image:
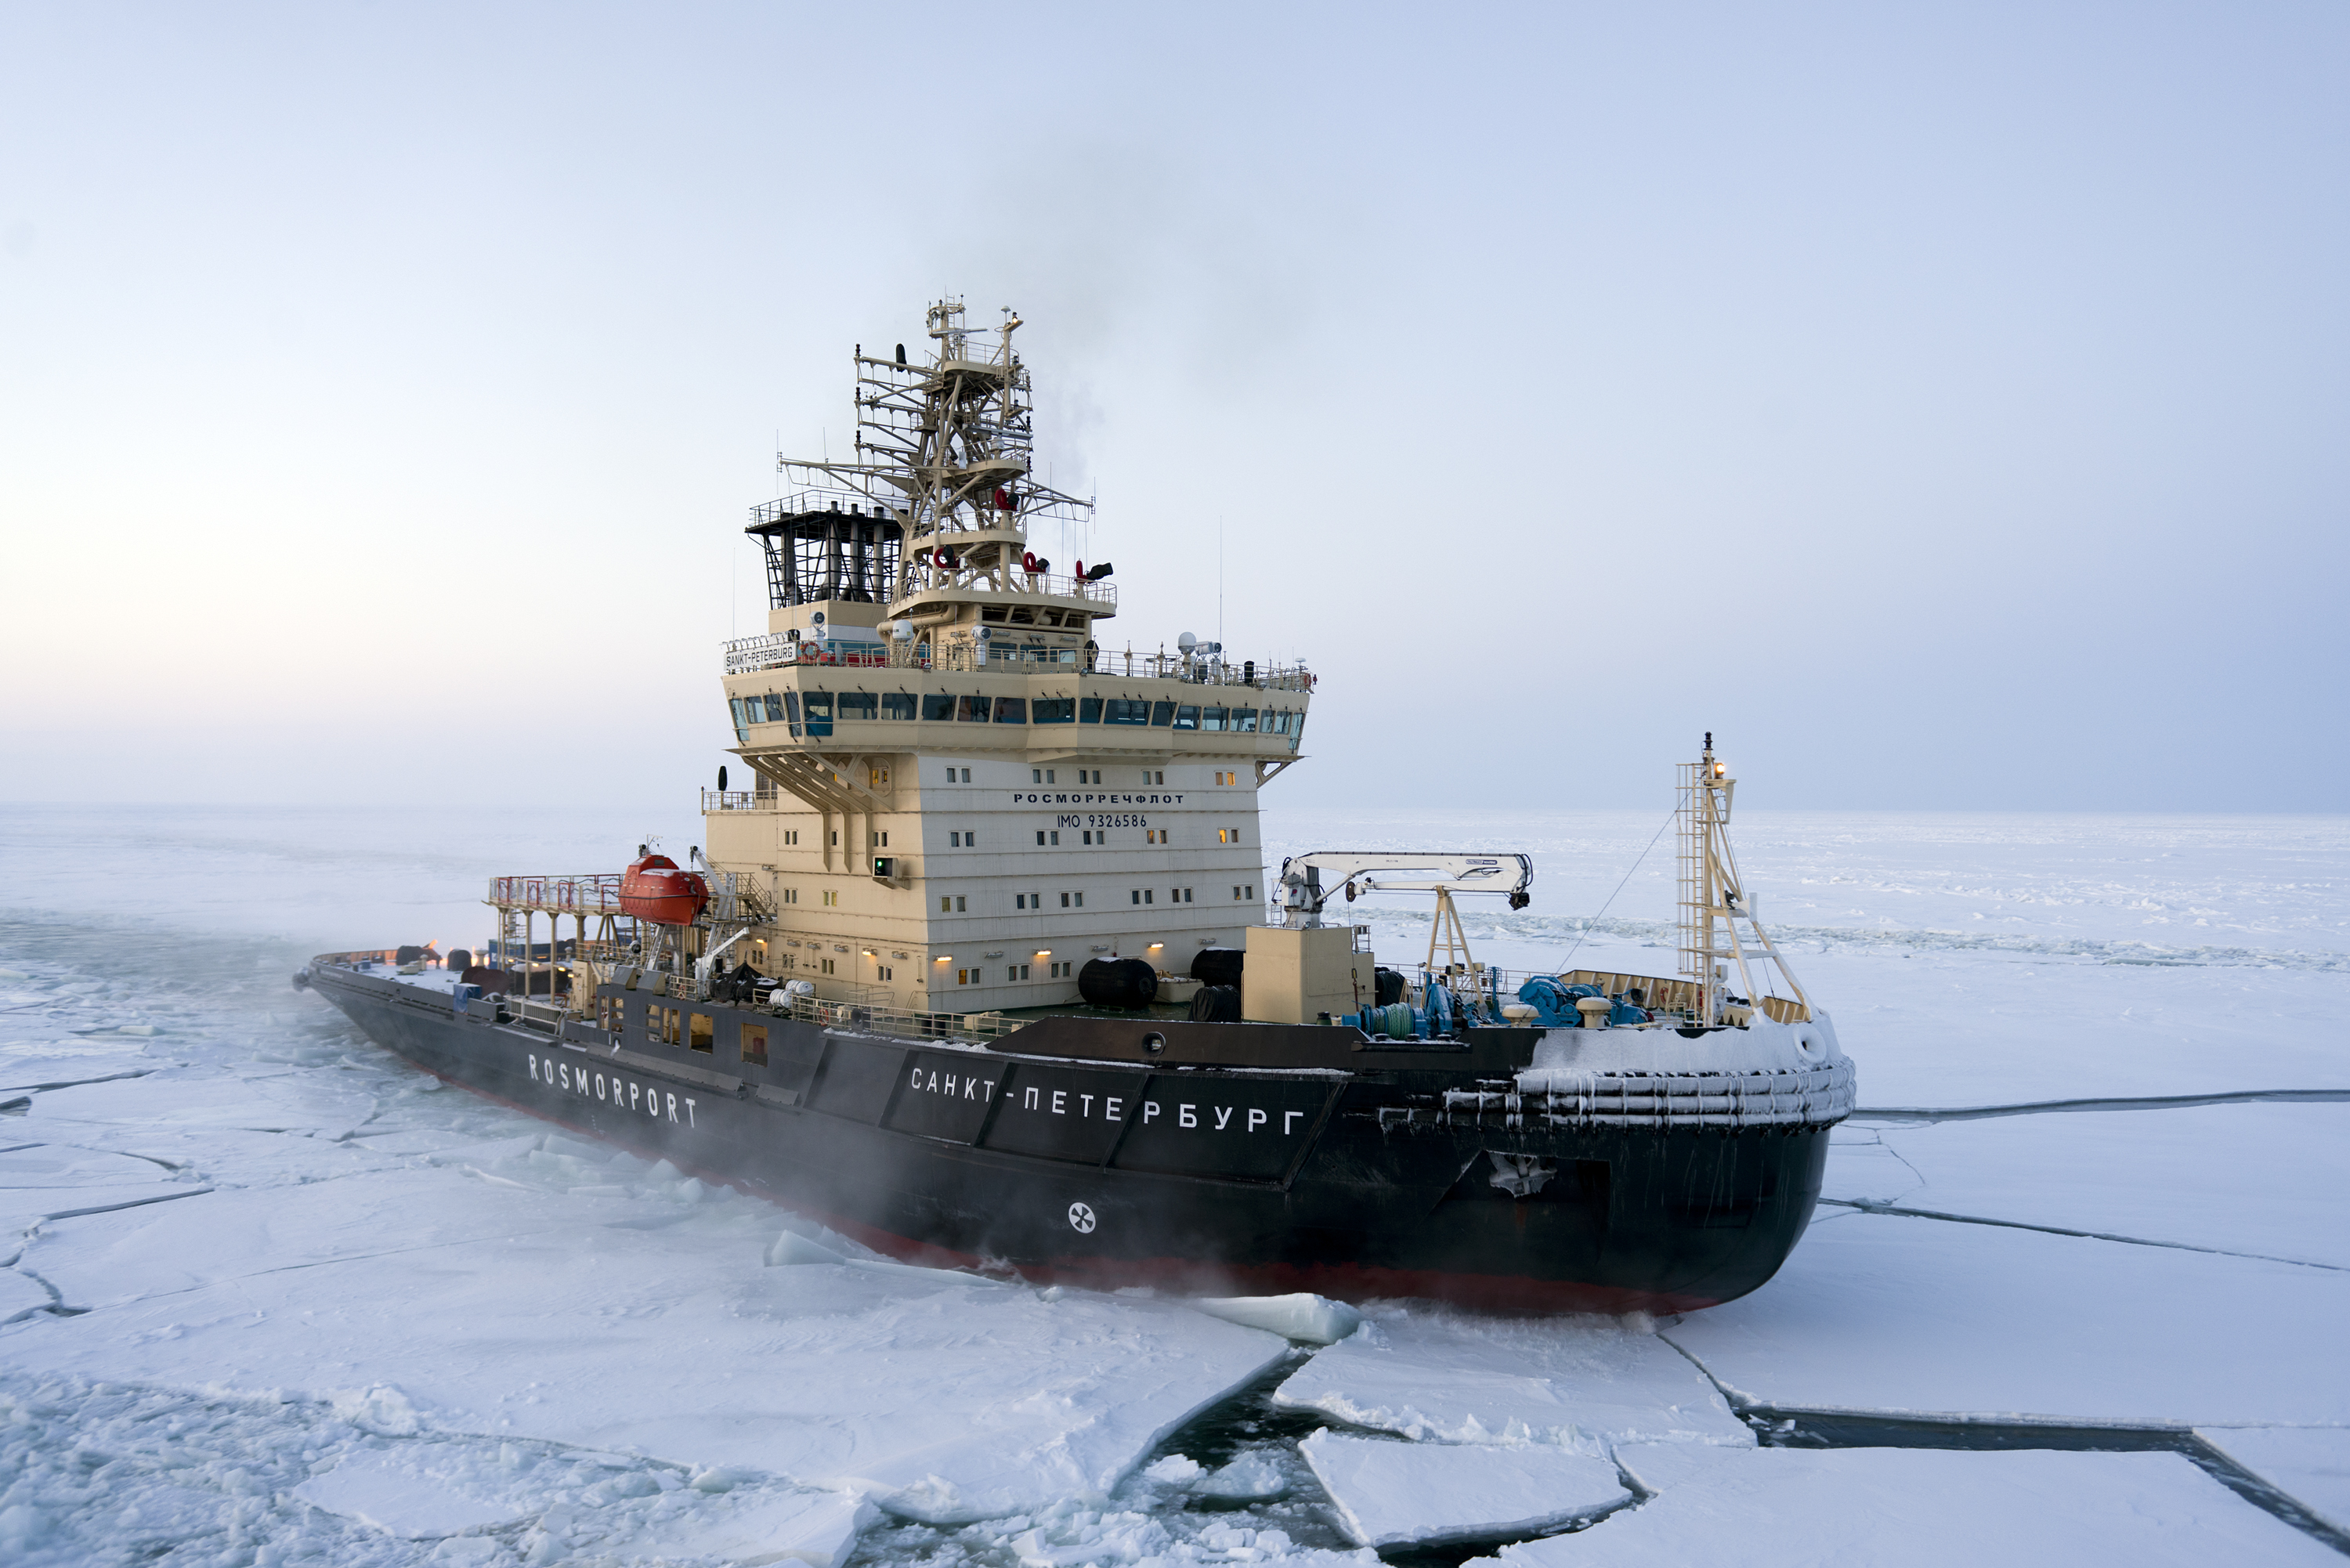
{"points": [[1307, 882]]}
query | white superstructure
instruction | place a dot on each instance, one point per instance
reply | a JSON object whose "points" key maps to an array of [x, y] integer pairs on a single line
{"points": [[964, 788]]}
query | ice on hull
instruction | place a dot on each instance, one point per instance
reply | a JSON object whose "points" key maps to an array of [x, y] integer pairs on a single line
{"points": [[1307, 1191]]}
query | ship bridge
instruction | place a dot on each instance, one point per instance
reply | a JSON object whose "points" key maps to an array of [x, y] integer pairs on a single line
{"points": [[960, 795]]}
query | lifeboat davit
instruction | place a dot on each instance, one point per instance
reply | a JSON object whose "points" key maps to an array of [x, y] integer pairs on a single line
{"points": [[654, 889]]}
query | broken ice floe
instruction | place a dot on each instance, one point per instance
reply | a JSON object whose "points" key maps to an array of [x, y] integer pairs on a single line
{"points": [[503, 1309], [1583, 1383], [1393, 1493], [2309, 1464], [1307, 1318], [2261, 1181], [1927, 1506], [1895, 1315]]}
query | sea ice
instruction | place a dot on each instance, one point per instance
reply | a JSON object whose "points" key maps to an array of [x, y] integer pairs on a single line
{"points": [[1304, 1317], [1392, 1494], [20, 1294], [306, 1101], [2309, 1464], [41, 1182], [424, 1489], [1586, 1383], [630, 1325], [1926, 1507], [1883, 1313], [2262, 1180]]}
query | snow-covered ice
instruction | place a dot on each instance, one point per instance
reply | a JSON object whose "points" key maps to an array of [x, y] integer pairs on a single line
{"points": [[2309, 1464], [1407, 1494], [1886, 1312], [1307, 1318], [1581, 1383], [1925, 1507], [360, 1309], [492, 1307], [2261, 1180]]}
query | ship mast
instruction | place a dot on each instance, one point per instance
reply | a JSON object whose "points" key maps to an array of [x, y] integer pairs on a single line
{"points": [[943, 451], [1713, 900]]}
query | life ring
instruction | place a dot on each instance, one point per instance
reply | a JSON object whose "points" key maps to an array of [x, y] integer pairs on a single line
{"points": [[1081, 571], [1028, 562], [938, 557]]}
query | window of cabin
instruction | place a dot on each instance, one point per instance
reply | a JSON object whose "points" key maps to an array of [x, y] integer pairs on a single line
{"points": [[754, 1044]]}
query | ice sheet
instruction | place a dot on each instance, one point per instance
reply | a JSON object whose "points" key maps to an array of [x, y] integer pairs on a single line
{"points": [[475, 1307], [1888, 1313], [1584, 1383], [424, 1489], [1402, 1493], [20, 1293], [1923, 1507], [2309, 1464], [284, 1101], [2269, 1181]]}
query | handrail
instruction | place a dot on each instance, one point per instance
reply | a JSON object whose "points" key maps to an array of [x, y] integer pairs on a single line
{"points": [[749, 655]]}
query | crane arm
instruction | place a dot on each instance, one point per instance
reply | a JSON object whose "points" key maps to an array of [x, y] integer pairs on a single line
{"points": [[1308, 880]]}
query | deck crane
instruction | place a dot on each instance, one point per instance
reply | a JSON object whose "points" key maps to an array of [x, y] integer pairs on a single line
{"points": [[1308, 880]]}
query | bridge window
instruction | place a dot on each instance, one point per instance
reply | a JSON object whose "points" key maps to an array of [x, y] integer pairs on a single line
{"points": [[818, 706], [970, 710], [1090, 710], [1055, 710], [1187, 717], [1161, 715], [938, 705], [1011, 710], [897, 704], [859, 704], [1211, 717], [1128, 711], [1244, 721]]}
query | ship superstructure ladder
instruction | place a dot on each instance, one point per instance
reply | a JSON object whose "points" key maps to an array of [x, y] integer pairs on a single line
{"points": [[1715, 904]]}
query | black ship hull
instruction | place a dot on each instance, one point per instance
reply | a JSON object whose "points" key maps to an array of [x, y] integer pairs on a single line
{"points": [[1093, 1156]]}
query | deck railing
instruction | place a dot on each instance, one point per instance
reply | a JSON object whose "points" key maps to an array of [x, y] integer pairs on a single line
{"points": [[747, 655]]}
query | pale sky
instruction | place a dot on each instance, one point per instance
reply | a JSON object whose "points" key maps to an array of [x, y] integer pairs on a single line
{"points": [[1944, 405]]}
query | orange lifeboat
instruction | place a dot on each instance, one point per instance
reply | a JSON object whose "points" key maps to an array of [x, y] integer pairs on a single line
{"points": [[653, 888]]}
